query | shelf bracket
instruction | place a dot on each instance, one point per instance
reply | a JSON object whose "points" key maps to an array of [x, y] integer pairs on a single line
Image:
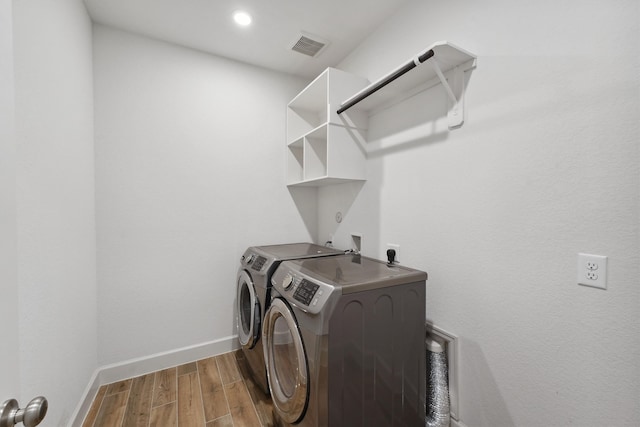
{"points": [[455, 110], [443, 80]]}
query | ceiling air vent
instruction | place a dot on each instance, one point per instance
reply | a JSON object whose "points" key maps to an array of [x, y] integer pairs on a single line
{"points": [[308, 44]]}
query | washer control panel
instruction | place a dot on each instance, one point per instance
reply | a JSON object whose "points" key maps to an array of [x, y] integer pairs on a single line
{"points": [[300, 290], [305, 292]]}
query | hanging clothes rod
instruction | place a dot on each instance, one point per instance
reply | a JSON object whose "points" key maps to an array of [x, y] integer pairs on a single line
{"points": [[401, 71]]}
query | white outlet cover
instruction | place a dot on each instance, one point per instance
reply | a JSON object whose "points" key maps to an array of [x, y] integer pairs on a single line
{"points": [[592, 270], [396, 248]]}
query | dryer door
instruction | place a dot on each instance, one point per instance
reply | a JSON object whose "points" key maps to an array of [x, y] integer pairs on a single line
{"points": [[248, 311], [287, 367]]}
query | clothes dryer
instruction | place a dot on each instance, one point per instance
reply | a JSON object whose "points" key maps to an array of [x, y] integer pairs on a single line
{"points": [[257, 264], [344, 343]]}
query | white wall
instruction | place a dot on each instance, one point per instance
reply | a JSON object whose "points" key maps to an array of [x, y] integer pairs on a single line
{"points": [[190, 172], [55, 202], [9, 351], [546, 166]]}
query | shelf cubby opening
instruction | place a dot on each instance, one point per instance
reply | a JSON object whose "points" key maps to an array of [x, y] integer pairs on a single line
{"points": [[295, 162], [315, 152]]}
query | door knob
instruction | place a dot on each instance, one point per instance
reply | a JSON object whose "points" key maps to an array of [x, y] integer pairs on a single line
{"points": [[30, 416]]}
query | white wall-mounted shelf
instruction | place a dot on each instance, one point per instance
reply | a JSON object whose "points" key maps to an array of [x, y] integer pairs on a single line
{"points": [[434, 63], [327, 120]]}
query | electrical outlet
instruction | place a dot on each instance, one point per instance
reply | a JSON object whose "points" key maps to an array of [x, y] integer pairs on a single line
{"points": [[395, 248], [592, 270]]}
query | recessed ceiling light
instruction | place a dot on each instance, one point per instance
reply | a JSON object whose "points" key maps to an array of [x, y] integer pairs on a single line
{"points": [[242, 18]]}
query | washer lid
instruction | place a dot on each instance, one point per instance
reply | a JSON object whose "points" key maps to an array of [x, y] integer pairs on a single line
{"points": [[355, 273]]}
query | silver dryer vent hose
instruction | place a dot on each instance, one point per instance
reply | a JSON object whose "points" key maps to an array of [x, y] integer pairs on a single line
{"points": [[438, 410]]}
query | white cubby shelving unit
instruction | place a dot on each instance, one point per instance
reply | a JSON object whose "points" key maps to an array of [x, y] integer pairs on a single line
{"points": [[324, 147]]}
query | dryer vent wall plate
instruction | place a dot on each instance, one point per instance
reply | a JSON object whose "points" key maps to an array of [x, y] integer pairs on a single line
{"points": [[451, 347], [356, 242]]}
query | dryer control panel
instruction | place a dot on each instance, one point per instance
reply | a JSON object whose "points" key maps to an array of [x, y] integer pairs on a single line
{"points": [[303, 292], [257, 263]]}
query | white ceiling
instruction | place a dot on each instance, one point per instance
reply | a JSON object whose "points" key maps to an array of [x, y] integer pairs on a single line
{"points": [[207, 25]]}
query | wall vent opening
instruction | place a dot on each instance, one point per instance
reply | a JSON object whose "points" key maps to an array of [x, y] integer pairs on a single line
{"points": [[308, 44], [451, 347]]}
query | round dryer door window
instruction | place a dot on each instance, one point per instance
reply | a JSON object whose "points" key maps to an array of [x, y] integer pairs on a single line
{"points": [[248, 311], [286, 361]]}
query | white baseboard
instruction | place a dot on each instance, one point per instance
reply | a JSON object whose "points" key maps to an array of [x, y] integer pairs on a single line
{"points": [[143, 365], [85, 403]]}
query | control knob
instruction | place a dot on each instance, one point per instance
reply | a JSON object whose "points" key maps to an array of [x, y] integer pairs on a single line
{"points": [[287, 282]]}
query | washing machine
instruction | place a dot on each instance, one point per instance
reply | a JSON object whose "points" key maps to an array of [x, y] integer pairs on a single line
{"points": [[344, 343], [257, 264]]}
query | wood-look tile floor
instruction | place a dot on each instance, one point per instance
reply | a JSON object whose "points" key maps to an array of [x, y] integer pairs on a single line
{"points": [[213, 392]]}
